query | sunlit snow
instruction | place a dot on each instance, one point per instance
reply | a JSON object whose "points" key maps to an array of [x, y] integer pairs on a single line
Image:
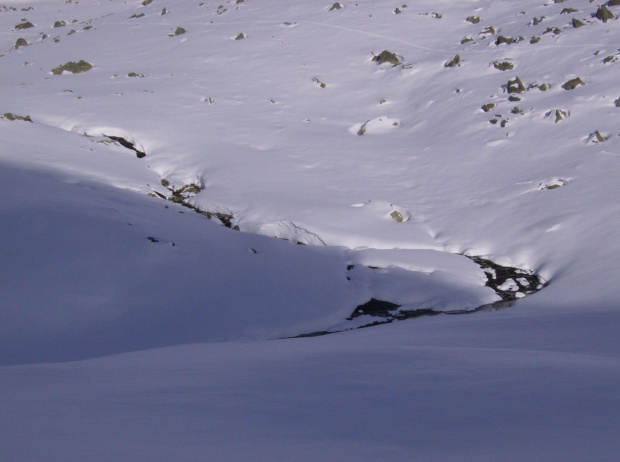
{"points": [[190, 187]]}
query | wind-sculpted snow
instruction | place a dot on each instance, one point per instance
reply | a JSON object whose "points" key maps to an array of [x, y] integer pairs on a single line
{"points": [[151, 150], [93, 270]]}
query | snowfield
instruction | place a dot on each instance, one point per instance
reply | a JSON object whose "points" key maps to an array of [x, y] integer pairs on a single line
{"points": [[190, 189]]}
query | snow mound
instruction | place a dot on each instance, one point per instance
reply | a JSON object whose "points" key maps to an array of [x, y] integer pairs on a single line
{"points": [[289, 231], [377, 126], [552, 183]]}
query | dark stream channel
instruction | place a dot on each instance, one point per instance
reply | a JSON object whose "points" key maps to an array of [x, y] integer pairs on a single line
{"points": [[508, 282]]}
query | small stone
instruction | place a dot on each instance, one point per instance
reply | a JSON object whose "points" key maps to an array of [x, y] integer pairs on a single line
{"points": [[577, 23], [396, 216], [599, 137], [24, 25], [560, 115], [319, 83], [515, 86], [21, 42], [455, 62], [502, 39], [387, 57], [573, 83], [503, 65]]}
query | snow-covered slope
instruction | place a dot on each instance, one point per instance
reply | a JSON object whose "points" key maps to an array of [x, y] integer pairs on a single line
{"points": [[150, 151]]}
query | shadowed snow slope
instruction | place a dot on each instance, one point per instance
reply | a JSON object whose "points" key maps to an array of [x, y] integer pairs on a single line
{"points": [[386, 173]]}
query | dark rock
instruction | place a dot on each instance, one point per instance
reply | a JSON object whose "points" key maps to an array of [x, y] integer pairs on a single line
{"points": [[454, 62], [10, 116], [387, 57], [127, 144], [73, 67], [503, 65], [573, 83], [374, 307], [24, 25], [515, 86], [577, 23], [497, 275], [502, 39], [21, 42], [604, 14]]}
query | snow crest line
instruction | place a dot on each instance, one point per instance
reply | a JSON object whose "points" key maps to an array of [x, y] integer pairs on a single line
{"points": [[369, 34]]}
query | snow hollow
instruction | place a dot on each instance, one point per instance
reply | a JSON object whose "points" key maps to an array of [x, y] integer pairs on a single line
{"points": [[266, 230]]}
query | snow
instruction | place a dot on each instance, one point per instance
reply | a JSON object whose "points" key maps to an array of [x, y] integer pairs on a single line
{"points": [[440, 388], [510, 284], [133, 328], [380, 125]]}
